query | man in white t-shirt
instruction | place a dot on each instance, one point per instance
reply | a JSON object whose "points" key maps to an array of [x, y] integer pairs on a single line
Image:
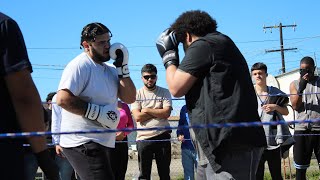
{"points": [[152, 109], [88, 94]]}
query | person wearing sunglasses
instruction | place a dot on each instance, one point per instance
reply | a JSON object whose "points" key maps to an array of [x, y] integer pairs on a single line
{"points": [[152, 109], [305, 101]]}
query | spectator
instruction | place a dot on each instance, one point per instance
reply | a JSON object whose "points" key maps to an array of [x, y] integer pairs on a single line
{"points": [[188, 153], [29, 157], [271, 106], [152, 109], [65, 169], [305, 102], [120, 152]]}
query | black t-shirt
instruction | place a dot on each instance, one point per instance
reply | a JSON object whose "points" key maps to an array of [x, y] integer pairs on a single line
{"points": [[216, 61], [13, 58], [223, 93], [196, 62]]}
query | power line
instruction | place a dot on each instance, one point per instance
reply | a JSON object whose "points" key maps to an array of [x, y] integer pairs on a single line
{"points": [[152, 46]]}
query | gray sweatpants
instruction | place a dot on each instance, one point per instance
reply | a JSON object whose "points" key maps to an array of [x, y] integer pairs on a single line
{"points": [[238, 164]]}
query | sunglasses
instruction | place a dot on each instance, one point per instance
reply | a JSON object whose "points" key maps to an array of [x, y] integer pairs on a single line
{"points": [[305, 71], [146, 77]]}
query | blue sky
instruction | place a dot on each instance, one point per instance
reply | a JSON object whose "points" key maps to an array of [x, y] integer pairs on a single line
{"points": [[52, 31]]}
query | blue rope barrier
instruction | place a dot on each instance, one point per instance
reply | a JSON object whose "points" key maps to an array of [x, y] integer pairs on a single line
{"points": [[275, 94], [200, 126], [176, 139]]}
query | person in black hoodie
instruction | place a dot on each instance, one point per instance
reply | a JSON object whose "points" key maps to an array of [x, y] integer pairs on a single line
{"points": [[215, 80]]}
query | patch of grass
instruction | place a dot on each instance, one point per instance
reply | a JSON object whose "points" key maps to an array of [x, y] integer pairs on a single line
{"points": [[180, 178], [313, 172]]}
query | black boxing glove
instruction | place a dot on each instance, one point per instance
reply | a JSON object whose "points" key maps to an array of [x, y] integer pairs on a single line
{"points": [[302, 86], [167, 46], [47, 165]]}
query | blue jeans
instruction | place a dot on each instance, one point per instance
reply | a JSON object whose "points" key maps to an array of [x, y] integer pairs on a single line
{"points": [[65, 168], [31, 165], [189, 162]]}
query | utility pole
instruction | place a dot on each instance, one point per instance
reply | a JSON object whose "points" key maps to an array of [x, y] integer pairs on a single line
{"points": [[280, 26]]}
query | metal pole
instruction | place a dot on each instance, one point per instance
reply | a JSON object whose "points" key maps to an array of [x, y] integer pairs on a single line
{"points": [[281, 49]]}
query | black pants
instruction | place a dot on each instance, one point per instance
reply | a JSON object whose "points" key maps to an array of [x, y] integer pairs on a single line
{"points": [[12, 161], [161, 150], [306, 143], [91, 161], [119, 159], [304, 146], [274, 163]]}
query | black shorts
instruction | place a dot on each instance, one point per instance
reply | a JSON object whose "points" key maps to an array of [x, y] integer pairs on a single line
{"points": [[306, 143]]}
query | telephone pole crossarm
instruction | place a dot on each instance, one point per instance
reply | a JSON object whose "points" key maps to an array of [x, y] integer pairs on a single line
{"points": [[276, 26], [277, 50]]}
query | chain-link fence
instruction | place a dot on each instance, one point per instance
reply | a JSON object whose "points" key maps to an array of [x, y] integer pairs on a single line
{"points": [[176, 169]]}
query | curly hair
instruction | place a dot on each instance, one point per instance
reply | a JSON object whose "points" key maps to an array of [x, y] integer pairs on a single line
{"points": [[90, 31], [195, 22]]}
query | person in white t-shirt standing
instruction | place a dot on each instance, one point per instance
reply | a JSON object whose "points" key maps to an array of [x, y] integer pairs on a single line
{"points": [[66, 171], [152, 109], [88, 94]]}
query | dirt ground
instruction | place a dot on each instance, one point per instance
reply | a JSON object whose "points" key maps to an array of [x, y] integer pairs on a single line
{"points": [[176, 169]]}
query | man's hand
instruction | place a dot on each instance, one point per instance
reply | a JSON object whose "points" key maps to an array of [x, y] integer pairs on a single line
{"points": [[144, 110], [59, 151], [269, 107], [167, 46], [120, 136], [181, 138], [302, 85]]}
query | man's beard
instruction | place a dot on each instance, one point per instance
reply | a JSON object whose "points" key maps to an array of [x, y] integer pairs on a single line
{"points": [[98, 57], [150, 87]]}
